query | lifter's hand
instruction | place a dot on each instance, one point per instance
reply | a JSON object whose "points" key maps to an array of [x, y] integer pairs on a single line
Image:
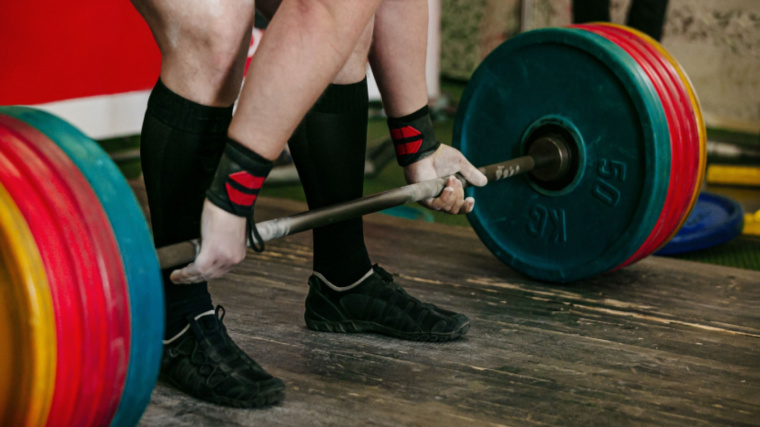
{"points": [[222, 246], [446, 161]]}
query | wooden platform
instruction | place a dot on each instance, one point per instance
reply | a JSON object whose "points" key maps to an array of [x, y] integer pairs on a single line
{"points": [[661, 343]]}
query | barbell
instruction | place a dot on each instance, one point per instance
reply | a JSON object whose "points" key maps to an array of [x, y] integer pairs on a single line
{"points": [[548, 158], [606, 152]]}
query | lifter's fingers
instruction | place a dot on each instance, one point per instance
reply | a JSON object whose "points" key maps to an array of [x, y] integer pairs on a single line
{"points": [[187, 275], [456, 208], [457, 200], [469, 205], [466, 206], [444, 200]]}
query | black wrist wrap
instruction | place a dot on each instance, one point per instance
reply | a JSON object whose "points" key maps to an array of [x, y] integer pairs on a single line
{"points": [[238, 179], [413, 136]]}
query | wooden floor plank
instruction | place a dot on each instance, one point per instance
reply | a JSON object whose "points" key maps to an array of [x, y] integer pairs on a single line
{"points": [[662, 342]]}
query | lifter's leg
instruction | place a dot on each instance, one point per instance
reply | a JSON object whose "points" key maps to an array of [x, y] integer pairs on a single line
{"points": [[185, 127], [328, 149], [648, 16], [591, 11], [203, 46], [374, 303]]}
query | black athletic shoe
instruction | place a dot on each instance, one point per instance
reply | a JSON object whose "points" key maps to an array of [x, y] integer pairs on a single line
{"points": [[379, 305], [204, 362]]}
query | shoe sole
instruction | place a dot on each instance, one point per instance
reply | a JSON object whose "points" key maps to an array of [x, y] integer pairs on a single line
{"points": [[262, 400], [348, 327]]}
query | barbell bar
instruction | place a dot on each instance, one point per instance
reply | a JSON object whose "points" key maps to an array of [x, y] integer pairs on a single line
{"points": [[548, 158]]}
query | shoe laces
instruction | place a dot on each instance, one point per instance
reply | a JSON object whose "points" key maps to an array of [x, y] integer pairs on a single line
{"points": [[388, 279], [219, 309]]}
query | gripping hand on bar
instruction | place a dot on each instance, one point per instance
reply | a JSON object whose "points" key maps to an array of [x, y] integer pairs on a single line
{"points": [[445, 162], [446, 194]]}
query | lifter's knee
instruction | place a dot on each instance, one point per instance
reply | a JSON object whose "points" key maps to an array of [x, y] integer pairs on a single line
{"points": [[203, 45], [355, 67]]}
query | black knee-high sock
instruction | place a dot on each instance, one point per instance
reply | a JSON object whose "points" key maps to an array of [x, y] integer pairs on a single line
{"points": [[328, 149], [180, 147]]}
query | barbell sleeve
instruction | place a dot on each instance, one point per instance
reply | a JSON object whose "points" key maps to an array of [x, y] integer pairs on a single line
{"points": [[185, 252]]}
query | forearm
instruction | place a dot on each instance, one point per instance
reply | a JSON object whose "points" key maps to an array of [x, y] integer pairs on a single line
{"points": [[306, 44], [398, 55]]}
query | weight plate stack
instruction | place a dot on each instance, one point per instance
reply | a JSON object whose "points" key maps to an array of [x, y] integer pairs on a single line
{"points": [[691, 121], [137, 253], [685, 154], [46, 213], [696, 109], [675, 194], [102, 290], [27, 324], [587, 91]]}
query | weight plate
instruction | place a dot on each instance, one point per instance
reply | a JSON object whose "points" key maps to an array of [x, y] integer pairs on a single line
{"points": [[104, 294], [46, 213], [27, 324], [715, 220], [678, 112], [700, 124], [137, 251], [583, 85]]}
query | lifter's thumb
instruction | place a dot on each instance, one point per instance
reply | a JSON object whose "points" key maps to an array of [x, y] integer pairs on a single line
{"points": [[471, 174]]}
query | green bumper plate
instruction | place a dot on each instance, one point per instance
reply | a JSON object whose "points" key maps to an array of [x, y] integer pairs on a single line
{"points": [[589, 89]]}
